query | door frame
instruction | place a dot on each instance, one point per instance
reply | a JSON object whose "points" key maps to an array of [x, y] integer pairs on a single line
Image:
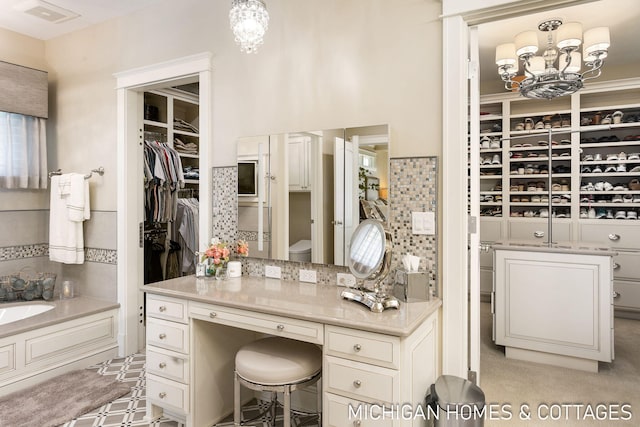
{"points": [[457, 17], [130, 87]]}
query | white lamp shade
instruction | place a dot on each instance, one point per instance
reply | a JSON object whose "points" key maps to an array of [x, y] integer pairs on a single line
{"points": [[537, 65], [574, 65], [569, 35], [506, 54], [596, 39], [526, 42]]}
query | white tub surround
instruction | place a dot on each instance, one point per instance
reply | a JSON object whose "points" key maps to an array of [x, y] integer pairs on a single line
{"points": [[554, 304], [75, 334], [195, 326], [22, 311]]}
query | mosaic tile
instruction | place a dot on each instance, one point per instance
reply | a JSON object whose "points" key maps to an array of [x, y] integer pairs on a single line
{"points": [[225, 204], [106, 256]]}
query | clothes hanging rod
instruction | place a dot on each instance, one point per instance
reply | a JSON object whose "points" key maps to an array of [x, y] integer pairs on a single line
{"points": [[99, 171]]}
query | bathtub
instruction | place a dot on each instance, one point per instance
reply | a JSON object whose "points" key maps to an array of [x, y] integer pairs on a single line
{"points": [[20, 312], [39, 340]]}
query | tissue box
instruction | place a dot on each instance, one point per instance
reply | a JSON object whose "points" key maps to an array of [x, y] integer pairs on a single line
{"points": [[411, 286]]}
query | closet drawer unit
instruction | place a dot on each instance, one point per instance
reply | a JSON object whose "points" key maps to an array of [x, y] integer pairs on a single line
{"points": [[166, 308], [168, 365], [167, 393], [383, 350], [626, 294], [627, 265], [296, 329], [7, 358], [343, 412], [361, 381], [490, 231], [612, 235], [168, 335], [538, 230]]}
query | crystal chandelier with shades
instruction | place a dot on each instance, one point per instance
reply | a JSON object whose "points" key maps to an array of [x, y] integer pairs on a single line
{"points": [[249, 21], [558, 70]]}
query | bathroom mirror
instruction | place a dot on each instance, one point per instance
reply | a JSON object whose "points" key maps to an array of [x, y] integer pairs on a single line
{"points": [[302, 194], [369, 261]]}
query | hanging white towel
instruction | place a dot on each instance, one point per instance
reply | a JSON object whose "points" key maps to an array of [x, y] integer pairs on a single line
{"points": [[69, 207]]}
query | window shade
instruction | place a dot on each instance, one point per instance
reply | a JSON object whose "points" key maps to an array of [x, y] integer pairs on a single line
{"points": [[23, 90]]}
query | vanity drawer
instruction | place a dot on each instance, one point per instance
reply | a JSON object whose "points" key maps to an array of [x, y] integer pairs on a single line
{"points": [[342, 412], [281, 326], [361, 381], [168, 394], [163, 363], [168, 335], [612, 235], [361, 346], [627, 265], [628, 294], [538, 230], [166, 308]]}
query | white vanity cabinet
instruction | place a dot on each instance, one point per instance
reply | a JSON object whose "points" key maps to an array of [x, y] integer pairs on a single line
{"points": [[300, 163], [364, 371], [167, 336]]}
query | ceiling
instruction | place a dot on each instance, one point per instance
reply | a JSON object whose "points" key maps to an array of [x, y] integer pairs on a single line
{"points": [[90, 12], [621, 16]]}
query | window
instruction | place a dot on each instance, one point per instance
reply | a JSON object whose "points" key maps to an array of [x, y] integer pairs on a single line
{"points": [[23, 151]]}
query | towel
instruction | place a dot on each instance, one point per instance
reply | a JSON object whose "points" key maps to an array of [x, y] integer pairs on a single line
{"points": [[69, 207]]}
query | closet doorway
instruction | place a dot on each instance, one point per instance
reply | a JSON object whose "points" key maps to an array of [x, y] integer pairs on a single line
{"points": [[132, 124]]}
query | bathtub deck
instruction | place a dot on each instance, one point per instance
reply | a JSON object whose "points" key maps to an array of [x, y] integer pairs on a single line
{"points": [[64, 310]]}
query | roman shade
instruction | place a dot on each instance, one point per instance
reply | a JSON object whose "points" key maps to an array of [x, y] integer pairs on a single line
{"points": [[23, 90]]}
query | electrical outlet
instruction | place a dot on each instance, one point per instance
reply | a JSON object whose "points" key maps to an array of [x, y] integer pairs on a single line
{"points": [[346, 279], [307, 276], [272, 271]]}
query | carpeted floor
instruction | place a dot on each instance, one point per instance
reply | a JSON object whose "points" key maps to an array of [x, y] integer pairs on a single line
{"points": [[514, 383]]}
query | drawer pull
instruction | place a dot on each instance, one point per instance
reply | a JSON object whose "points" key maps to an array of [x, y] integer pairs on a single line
{"points": [[162, 365], [280, 327], [616, 266], [212, 315], [357, 383], [538, 234], [162, 395], [357, 347], [616, 294], [614, 237], [357, 423], [162, 309], [162, 336]]}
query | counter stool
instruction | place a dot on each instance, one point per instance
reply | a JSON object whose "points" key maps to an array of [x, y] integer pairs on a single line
{"points": [[276, 364]]}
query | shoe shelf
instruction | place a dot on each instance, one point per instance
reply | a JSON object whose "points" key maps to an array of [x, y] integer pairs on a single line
{"points": [[540, 175], [540, 148], [490, 150], [611, 174], [490, 176], [611, 144], [596, 192], [610, 205], [607, 162], [565, 129]]}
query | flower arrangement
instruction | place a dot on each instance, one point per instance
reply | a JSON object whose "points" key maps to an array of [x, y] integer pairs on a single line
{"points": [[216, 257], [243, 248]]}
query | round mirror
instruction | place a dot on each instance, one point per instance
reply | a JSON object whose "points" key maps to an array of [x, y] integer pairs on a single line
{"points": [[370, 251]]}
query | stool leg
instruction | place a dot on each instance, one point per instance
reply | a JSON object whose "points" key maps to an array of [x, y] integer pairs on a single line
{"points": [[237, 413], [319, 403], [287, 406]]}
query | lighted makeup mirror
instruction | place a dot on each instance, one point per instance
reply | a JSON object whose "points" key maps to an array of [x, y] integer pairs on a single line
{"points": [[369, 261]]}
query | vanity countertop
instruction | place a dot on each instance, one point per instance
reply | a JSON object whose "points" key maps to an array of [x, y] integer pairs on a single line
{"points": [[578, 248], [307, 301]]}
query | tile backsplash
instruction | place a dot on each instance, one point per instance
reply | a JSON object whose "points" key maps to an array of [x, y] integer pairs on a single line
{"points": [[413, 183]]}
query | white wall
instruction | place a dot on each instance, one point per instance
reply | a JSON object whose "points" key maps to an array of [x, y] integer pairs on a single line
{"points": [[324, 64]]}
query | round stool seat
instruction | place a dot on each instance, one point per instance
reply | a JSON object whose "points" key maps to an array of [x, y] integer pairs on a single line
{"points": [[275, 360]]}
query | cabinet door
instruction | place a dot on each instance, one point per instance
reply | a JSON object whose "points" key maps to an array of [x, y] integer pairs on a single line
{"points": [[299, 155]]}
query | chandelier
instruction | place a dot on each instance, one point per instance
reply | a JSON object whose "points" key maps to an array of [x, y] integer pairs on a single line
{"points": [[249, 20], [557, 71]]}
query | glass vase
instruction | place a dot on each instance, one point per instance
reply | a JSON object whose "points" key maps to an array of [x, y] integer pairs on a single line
{"points": [[221, 272]]}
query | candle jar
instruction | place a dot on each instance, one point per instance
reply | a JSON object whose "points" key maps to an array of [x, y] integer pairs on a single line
{"points": [[66, 292], [201, 266]]}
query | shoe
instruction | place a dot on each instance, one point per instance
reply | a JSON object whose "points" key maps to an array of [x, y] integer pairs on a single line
{"points": [[606, 120], [587, 158], [636, 169], [585, 121], [612, 157], [497, 127], [485, 160], [617, 199], [597, 157], [528, 124], [597, 169], [513, 188], [636, 198], [633, 156], [519, 126], [586, 199], [622, 156], [528, 214], [544, 213], [485, 142], [601, 213], [588, 187], [620, 188], [544, 199], [634, 185], [621, 215], [515, 199], [524, 199], [583, 213], [627, 198], [556, 199], [599, 186], [609, 214], [535, 199], [617, 117], [516, 214], [585, 169], [496, 159], [632, 215], [623, 168], [539, 125], [556, 187], [564, 185], [592, 213], [610, 168], [608, 186], [495, 143]]}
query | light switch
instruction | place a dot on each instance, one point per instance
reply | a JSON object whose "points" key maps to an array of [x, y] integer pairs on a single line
{"points": [[423, 223]]}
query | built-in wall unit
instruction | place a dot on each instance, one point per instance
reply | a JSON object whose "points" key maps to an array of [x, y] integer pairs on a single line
{"points": [[573, 159]]}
